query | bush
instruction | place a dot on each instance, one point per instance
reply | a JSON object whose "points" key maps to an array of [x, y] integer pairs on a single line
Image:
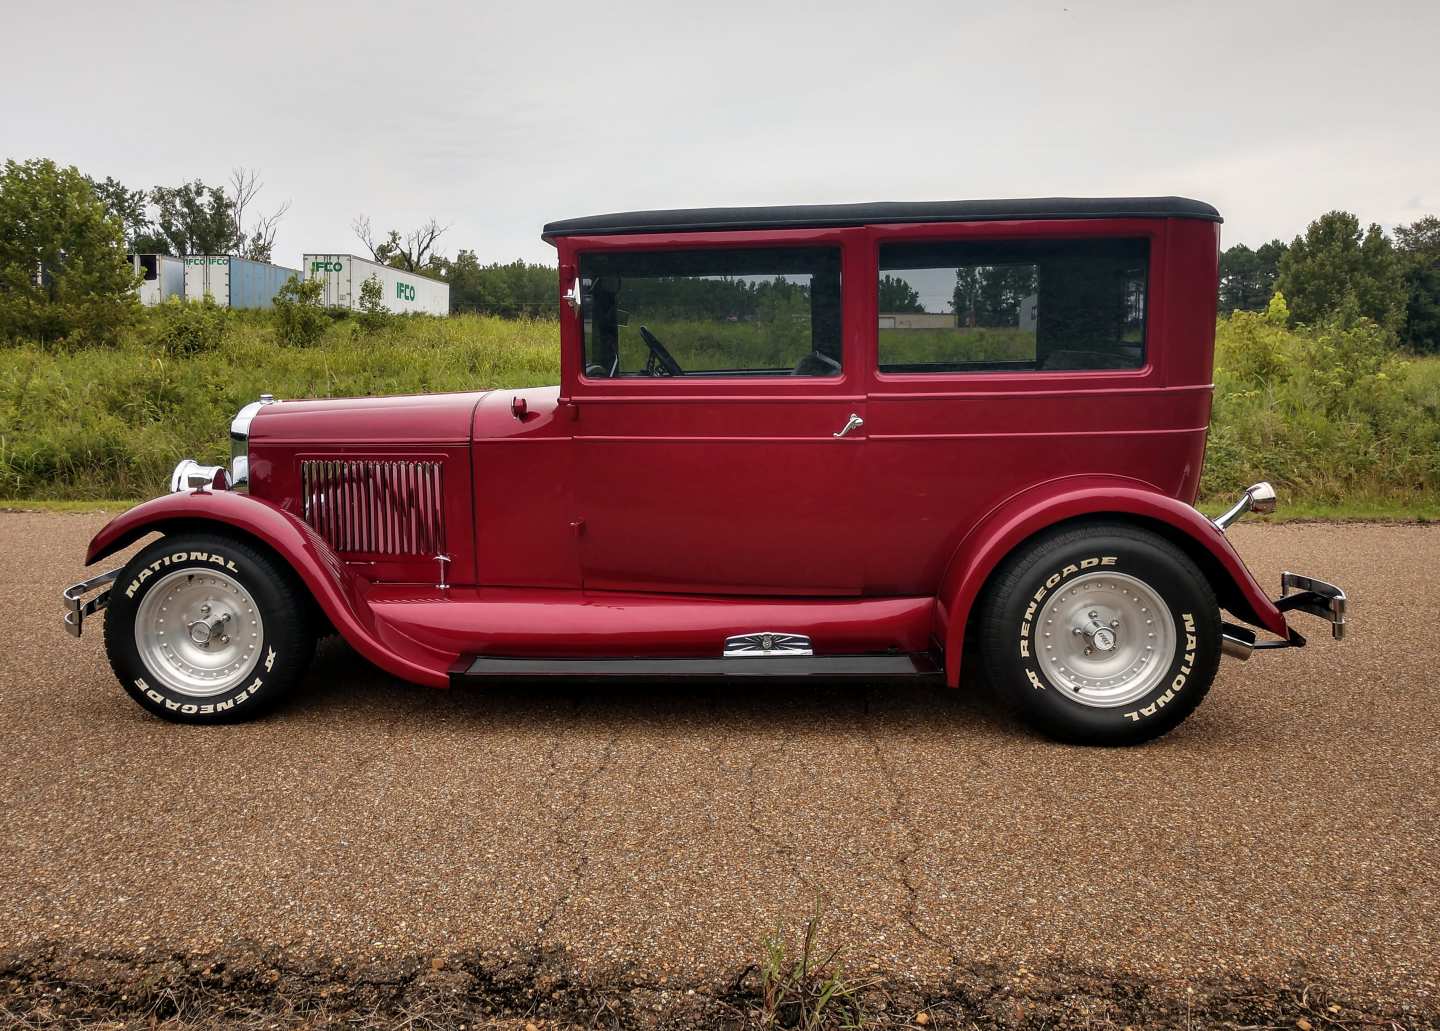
{"points": [[299, 319], [374, 316], [1332, 412], [183, 329]]}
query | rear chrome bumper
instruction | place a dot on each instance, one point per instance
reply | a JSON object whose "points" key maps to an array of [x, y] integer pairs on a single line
{"points": [[1312, 596], [76, 609], [1315, 597]]}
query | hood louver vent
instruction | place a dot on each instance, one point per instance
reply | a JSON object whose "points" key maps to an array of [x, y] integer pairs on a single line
{"points": [[375, 507]]}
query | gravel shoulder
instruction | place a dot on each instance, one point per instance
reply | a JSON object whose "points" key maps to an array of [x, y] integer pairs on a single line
{"points": [[650, 838]]}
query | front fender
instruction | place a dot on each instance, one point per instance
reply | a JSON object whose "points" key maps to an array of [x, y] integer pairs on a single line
{"points": [[1048, 504], [338, 591]]}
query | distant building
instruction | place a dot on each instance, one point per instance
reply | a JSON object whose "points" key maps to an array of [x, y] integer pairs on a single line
{"points": [[917, 320], [1030, 312]]}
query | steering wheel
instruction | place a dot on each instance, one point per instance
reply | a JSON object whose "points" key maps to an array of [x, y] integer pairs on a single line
{"points": [[660, 362]]}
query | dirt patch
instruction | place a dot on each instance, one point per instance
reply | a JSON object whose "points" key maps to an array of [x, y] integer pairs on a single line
{"points": [[253, 987]]}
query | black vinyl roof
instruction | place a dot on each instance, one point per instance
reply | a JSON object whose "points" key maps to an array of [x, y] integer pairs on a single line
{"points": [[804, 216]]}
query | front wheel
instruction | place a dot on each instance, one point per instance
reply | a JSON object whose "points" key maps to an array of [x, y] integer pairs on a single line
{"points": [[206, 629], [1102, 633]]}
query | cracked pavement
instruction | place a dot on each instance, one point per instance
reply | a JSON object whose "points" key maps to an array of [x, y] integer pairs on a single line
{"points": [[1285, 832]]}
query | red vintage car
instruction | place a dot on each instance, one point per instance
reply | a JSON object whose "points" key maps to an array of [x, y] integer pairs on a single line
{"points": [[830, 442]]}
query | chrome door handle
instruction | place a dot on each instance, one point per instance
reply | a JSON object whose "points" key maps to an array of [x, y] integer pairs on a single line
{"points": [[853, 423]]}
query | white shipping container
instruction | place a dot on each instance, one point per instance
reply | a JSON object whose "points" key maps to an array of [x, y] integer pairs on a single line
{"points": [[234, 282], [401, 292], [164, 277], [208, 274]]}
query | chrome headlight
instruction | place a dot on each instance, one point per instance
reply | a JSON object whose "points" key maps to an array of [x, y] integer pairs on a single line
{"points": [[240, 441], [191, 475]]}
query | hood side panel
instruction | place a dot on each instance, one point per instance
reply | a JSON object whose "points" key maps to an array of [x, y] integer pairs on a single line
{"points": [[406, 419]]}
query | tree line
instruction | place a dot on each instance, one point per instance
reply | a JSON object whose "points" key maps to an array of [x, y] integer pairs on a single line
{"points": [[1337, 270], [64, 237]]}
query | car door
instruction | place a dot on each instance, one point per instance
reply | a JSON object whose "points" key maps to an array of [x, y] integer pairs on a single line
{"points": [[718, 427]]}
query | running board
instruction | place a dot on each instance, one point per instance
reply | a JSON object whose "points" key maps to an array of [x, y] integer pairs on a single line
{"points": [[478, 668]]}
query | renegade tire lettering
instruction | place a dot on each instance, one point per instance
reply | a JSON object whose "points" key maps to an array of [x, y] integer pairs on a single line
{"points": [[1186, 666], [270, 660], [1028, 619], [150, 692]]}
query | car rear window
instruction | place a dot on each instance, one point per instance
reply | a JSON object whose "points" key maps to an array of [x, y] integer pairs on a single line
{"points": [[713, 312], [1032, 305]]}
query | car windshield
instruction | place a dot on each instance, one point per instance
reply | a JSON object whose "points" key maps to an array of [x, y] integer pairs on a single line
{"points": [[763, 311]]}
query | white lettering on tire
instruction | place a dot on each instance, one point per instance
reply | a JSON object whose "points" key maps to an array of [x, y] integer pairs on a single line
{"points": [[180, 556], [1187, 664], [1028, 619]]}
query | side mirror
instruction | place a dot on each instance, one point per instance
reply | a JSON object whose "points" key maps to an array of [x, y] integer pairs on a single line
{"points": [[572, 296]]}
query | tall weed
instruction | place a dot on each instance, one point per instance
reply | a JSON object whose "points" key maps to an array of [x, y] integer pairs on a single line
{"points": [[1329, 414]]}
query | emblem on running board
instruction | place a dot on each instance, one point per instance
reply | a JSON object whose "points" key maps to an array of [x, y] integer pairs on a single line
{"points": [[766, 642]]}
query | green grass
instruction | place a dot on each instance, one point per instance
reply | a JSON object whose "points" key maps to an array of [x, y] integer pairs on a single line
{"points": [[968, 344], [73, 505], [1364, 510], [1344, 427], [107, 423]]}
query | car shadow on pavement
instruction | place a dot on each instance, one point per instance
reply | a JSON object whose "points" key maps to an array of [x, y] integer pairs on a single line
{"points": [[341, 686]]}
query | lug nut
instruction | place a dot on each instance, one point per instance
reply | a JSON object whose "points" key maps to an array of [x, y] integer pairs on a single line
{"points": [[1114, 622], [204, 610], [1093, 613]]}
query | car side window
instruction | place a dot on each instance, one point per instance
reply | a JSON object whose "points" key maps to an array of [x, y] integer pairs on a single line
{"points": [[715, 312], [1029, 305]]}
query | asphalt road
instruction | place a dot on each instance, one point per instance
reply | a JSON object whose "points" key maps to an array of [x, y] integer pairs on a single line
{"points": [[1287, 831]]}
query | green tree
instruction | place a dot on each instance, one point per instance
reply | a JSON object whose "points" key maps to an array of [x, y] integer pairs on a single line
{"points": [[373, 314], [990, 295], [63, 272], [1419, 245], [511, 290], [193, 218], [1247, 277], [1335, 269], [300, 320], [131, 207], [896, 295]]}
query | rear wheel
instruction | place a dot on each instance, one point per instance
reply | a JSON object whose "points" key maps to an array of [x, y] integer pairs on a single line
{"points": [[1102, 633], [206, 629]]}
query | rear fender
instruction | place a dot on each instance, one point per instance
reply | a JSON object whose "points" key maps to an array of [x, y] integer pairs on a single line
{"points": [[336, 589], [1047, 505]]}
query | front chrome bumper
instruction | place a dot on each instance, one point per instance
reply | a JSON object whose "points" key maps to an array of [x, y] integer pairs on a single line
{"points": [[1312, 596], [76, 609]]}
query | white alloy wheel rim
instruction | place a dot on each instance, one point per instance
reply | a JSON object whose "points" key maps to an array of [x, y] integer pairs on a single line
{"points": [[199, 632], [1105, 639]]}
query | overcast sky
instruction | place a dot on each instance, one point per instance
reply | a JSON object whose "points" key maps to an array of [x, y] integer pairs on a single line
{"points": [[496, 121]]}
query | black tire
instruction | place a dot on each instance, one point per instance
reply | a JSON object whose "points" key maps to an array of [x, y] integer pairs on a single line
{"points": [[265, 669], [1026, 596]]}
